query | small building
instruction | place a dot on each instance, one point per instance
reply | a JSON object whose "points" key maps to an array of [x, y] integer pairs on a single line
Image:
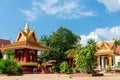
{"points": [[26, 47], [106, 54]]}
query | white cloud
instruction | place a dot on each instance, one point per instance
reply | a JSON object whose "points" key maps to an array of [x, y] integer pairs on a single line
{"points": [[85, 38], [70, 9], [111, 5], [31, 14], [102, 34]]}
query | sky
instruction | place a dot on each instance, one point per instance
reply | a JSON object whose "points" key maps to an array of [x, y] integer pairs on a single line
{"points": [[97, 19]]}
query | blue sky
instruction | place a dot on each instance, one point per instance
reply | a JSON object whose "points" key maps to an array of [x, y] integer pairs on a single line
{"points": [[97, 19]]}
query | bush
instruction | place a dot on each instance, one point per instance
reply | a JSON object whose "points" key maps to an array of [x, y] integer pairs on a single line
{"points": [[108, 69], [9, 67], [19, 69], [55, 68], [64, 67]]}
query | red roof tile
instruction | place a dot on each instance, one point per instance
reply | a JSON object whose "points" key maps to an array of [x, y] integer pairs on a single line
{"points": [[117, 50], [4, 42]]}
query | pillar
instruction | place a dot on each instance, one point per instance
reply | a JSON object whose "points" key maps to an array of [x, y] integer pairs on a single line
{"points": [[102, 62], [98, 61], [110, 60]]}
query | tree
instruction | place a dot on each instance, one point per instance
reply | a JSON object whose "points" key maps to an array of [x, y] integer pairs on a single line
{"points": [[59, 42], [65, 68], [44, 40], [86, 59], [117, 42], [10, 54]]}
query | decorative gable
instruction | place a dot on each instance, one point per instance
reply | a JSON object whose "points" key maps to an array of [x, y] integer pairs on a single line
{"points": [[32, 37], [26, 35], [26, 39], [106, 45]]}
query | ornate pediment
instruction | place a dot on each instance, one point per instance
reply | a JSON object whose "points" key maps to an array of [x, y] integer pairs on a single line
{"points": [[105, 48], [106, 45], [26, 35]]}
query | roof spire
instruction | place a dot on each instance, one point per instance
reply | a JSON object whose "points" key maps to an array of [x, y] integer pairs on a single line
{"points": [[27, 29]]}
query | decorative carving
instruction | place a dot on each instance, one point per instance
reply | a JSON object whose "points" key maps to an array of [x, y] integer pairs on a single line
{"points": [[20, 53]]}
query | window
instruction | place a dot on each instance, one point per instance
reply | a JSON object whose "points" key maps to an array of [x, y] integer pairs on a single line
{"points": [[118, 63], [32, 55], [20, 55]]}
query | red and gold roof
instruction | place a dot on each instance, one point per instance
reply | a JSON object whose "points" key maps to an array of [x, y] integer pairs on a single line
{"points": [[106, 48], [26, 39]]}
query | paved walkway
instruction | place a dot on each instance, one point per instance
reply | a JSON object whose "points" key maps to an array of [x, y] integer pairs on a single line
{"points": [[59, 77]]}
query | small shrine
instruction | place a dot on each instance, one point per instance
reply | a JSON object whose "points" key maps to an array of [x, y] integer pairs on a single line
{"points": [[106, 54], [26, 48]]}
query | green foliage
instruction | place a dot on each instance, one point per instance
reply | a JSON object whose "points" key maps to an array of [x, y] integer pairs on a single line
{"points": [[64, 67], [75, 48], [44, 40], [9, 67], [10, 55], [117, 42], [59, 42], [1, 56], [108, 69], [55, 68], [86, 59]]}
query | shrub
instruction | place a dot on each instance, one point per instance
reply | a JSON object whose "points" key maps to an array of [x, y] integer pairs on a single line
{"points": [[19, 69], [9, 67], [12, 68], [64, 67], [108, 69], [55, 68]]}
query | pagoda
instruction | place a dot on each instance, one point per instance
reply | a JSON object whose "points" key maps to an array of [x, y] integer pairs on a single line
{"points": [[26, 48]]}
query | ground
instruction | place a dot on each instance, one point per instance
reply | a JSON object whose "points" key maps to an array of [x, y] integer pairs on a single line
{"points": [[58, 77]]}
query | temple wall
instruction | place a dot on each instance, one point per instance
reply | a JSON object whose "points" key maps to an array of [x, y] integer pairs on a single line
{"points": [[117, 60], [28, 55]]}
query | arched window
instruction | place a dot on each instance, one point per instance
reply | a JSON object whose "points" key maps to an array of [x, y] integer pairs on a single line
{"points": [[32, 53], [20, 55]]}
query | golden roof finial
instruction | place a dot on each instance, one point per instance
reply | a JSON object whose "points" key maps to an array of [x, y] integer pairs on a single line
{"points": [[27, 29]]}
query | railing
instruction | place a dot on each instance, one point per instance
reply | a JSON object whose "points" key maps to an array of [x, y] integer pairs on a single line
{"points": [[28, 63]]}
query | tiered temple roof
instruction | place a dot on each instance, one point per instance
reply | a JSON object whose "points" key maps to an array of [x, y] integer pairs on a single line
{"points": [[26, 39]]}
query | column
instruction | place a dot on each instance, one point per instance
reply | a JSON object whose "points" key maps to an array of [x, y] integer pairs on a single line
{"points": [[110, 60], [113, 60], [98, 61], [102, 62]]}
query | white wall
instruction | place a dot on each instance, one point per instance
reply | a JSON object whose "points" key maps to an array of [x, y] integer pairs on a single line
{"points": [[117, 59]]}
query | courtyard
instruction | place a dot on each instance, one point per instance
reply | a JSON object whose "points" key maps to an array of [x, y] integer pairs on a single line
{"points": [[107, 76]]}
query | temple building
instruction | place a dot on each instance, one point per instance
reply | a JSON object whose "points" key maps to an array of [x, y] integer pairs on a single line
{"points": [[26, 48], [107, 55], [4, 43]]}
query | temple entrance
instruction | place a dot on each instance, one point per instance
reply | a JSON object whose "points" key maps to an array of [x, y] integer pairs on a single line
{"points": [[105, 54], [104, 62]]}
